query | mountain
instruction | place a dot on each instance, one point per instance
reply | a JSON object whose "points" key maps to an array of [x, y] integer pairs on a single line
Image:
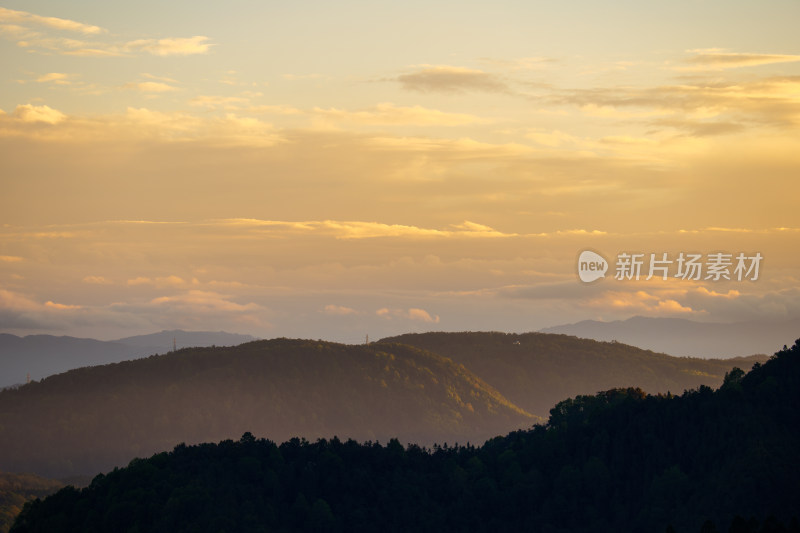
{"points": [[44, 355], [163, 341], [537, 370], [94, 418], [620, 460], [682, 337]]}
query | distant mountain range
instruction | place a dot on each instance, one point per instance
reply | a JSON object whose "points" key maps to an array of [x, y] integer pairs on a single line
{"points": [[688, 338], [44, 355], [423, 388], [537, 370]]}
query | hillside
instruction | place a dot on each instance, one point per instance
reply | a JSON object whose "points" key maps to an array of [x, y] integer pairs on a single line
{"points": [[682, 337], [620, 460], [16, 489], [536, 370], [92, 419], [45, 355]]}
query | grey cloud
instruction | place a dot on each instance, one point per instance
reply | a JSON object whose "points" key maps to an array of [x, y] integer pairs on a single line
{"points": [[452, 80]]}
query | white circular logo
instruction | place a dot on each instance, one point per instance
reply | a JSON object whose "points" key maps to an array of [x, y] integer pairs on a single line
{"points": [[591, 266]]}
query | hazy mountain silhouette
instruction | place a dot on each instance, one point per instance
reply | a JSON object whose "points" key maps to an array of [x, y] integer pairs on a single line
{"points": [[45, 355], [682, 337], [162, 341], [536, 370], [94, 418]]}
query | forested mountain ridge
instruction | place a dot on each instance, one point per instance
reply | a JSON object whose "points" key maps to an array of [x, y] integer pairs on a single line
{"points": [[91, 419], [537, 370], [620, 460]]}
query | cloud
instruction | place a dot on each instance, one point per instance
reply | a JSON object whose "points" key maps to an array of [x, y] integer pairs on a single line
{"points": [[165, 281], [10, 15], [81, 48], [447, 79], [61, 307], [159, 78], [389, 114], [408, 314], [150, 87], [171, 46], [231, 129], [10, 259], [59, 78], [214, 102], [413, 313], [702, 107], [29, 113], [640, 301], [96, 280], [204, 302], [321, 282], [139, 124], [193, 309], [422, 315], [331, 309], [20, 311], [364, 230], [464, 147], [12, 300], [697, 128], [718, 59], [27, 30]]}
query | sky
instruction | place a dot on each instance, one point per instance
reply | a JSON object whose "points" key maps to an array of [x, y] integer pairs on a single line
{"points": [[336, 170]]}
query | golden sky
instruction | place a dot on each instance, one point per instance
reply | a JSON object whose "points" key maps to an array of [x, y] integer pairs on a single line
{"points": [[331, 170]]}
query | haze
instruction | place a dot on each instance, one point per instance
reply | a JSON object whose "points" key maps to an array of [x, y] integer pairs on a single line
{"points": [[335, 170]]}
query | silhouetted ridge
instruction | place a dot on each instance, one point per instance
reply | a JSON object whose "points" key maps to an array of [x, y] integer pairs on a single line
{"points": [[620, 460]]}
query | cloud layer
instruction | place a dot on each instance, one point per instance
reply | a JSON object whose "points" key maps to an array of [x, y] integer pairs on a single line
{"points": [[328, 173]]}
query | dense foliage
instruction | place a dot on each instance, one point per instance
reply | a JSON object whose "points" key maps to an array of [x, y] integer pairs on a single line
{"points": [[620, 460], [536, 370], [16, 489], [92, 419]]}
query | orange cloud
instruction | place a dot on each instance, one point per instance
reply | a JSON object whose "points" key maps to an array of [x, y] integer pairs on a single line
{"points": [[409, 314], [715, 58], [10, 15], [641, 302], [31, 113]]}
